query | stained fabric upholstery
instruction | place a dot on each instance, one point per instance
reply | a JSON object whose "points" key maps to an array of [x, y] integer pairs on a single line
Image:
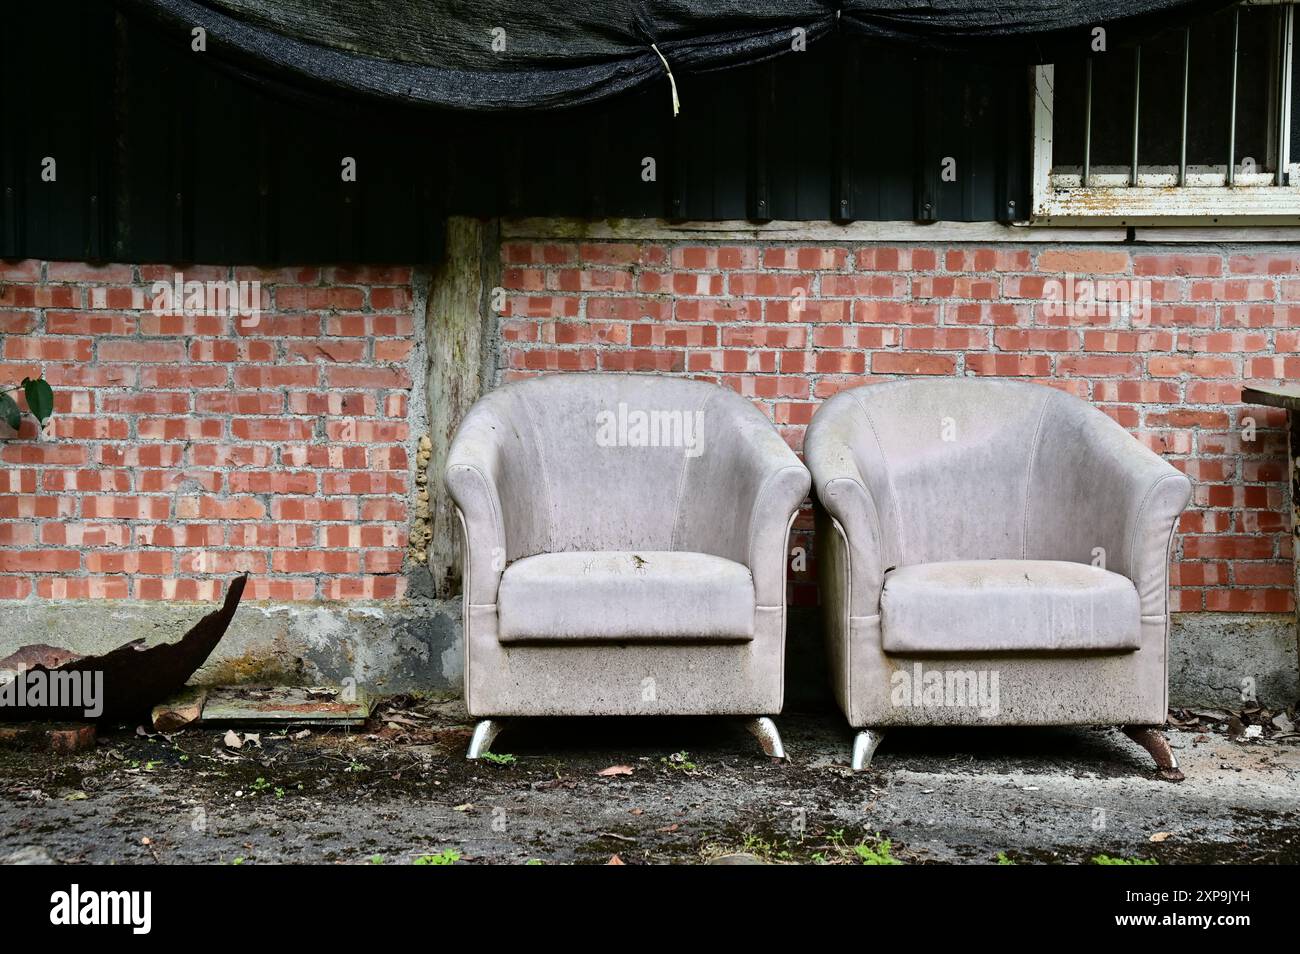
{"points": [[621, 596], [931, 495], [626, 535], [1001, 606]]}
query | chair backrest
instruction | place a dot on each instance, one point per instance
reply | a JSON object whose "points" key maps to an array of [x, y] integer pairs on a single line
{"points": [[599, 461], [951, 460]]}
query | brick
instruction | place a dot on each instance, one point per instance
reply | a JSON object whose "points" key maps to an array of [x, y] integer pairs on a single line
{"points": [[1085, 261], [1199, 266], [1010, 365], [36, 348], [39, 561], [886, 362], [81, 272]]}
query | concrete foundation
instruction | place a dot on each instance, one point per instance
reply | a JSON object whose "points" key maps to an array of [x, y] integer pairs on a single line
{"points": [[1224, 659], [414, 646], [385, 648]]}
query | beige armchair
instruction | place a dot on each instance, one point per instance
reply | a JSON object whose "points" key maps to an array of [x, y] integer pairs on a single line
{"points": [[625, 541], [991, 553]]}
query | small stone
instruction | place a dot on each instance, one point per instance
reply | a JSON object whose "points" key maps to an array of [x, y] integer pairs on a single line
{"points": [[28, 855]]}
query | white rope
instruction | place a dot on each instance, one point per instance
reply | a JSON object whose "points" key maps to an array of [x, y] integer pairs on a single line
{"points": [[677, 106]]}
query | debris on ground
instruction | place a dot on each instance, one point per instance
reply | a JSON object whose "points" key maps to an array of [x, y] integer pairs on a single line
{"points": [[263, 705], [134, 676], [1253, 723], [400, 789]]}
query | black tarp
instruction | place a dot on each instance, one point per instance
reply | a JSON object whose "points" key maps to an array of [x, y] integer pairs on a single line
{"points": [[510, 54]]}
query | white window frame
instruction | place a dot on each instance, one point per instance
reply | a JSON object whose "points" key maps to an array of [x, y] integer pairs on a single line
{"points": [[1157, 198]]}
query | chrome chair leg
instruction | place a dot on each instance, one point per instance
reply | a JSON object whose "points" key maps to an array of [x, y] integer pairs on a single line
{"points": [[764, 729]]}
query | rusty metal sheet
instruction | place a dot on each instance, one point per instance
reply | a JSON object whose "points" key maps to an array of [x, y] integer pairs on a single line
{"points": [[134, 676]]}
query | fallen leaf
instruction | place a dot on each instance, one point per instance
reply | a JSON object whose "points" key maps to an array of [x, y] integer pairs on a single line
{"points": [[146, 841], [467, 807], [301, 735], [616, 770], [668, 829], [1161, 836], [232, 740], [614, 860]]}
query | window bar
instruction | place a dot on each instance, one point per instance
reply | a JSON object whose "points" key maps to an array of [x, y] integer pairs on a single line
{"points": [[1182, 145], [1232, 99], [1087, 123], [1287, 16], [1137, 111]]}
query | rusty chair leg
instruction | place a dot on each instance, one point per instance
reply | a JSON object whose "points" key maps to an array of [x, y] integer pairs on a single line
{"points": [[1153, 740]]}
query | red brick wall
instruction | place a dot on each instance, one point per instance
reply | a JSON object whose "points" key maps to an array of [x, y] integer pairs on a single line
{"points": [[725, 312], [186, 448]]}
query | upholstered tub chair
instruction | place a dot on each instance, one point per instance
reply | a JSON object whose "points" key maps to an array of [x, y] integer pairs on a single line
{"points": [[991, 553], [625, 545]]}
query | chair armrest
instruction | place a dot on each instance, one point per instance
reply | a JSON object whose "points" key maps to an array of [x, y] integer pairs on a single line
{"points": [[1098, 492], [739, 495], [778, 485], [841, 490], [473, 479]]}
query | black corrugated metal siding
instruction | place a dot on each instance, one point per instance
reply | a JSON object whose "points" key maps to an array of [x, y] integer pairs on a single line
{"points": [[165, 156]]}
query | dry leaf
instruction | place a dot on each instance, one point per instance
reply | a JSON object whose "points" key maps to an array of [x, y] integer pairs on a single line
{"points": [[614, 860], [616, 770], [1161, 836], [636, 811], [668, 829], [232, 740], [467, 807]]}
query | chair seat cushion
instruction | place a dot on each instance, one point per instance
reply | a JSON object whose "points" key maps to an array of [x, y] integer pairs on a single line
{"points": [[625, 596], [990, 606]]}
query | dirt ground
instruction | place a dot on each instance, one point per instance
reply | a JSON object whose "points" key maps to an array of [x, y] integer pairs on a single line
{"points": [[680, 791]]}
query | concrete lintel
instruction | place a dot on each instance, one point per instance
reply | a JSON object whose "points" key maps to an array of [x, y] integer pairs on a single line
{"points": [[783, 231]]}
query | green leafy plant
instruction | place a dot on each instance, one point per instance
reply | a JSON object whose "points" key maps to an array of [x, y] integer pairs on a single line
{"points": [[448, 857], [877, 854], [40, 402], [503, 758], [1108, 860], [1002, 859], [681, 761]]}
